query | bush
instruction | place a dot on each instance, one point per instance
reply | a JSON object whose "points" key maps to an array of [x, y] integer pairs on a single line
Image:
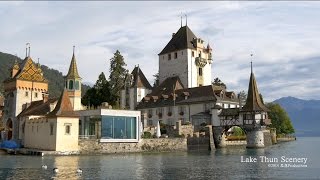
{"points": [[203, 124], [179, 136], [146, 135]]}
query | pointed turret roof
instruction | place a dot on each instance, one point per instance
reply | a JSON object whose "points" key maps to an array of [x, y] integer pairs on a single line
{"points": [[183, 39], [254, 102], [64, 107], [16, 65], [27, 70], [139, 79], [73, 70]]}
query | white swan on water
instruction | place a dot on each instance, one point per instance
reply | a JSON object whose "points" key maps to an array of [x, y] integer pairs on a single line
{"points": [[55, 170], [44, 166], [79, 170]]}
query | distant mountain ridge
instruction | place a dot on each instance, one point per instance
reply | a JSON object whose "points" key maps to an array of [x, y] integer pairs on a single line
{"points": [[55, 77], [304, 114]]}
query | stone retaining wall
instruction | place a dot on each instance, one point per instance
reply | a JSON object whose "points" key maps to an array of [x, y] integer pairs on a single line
{"points": [[88, 146]]}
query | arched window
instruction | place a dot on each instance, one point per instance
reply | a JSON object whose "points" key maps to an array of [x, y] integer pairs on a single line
{"points": [[77, 85], [70, 84]]}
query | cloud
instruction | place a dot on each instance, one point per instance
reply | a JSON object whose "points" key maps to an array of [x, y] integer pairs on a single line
{"points": [[283, 36]]}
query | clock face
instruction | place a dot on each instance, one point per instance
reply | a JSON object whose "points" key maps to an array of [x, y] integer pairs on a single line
{"points": [[201, 62]]}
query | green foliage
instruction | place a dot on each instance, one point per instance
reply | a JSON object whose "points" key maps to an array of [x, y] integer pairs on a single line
{"points": [[179, 136], [55, 78], [237, 131], [242, 96], [98, 94], [279, 119], [146, 135], [218, 82], [156, 80], [117, 76]]}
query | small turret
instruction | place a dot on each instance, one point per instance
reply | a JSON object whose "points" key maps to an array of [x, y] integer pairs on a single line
{"points": [[15, 68]]}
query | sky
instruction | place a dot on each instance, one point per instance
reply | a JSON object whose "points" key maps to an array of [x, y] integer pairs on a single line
{"points": [[284, 38]]}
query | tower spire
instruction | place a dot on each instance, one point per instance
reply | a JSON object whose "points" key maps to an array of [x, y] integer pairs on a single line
{"points": [[181, 19], [29, 50], [186, 19], [73, 50], [251, 62]]}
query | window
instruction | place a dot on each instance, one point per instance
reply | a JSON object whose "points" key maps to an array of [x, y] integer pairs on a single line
{"points": [[66, 84], [67, 129], [32, 128], [70, 84], [77, 85], [169, 56], [206, 107], [36, 95], [51, 129], [150, 122], [192, 53], [181, 52], [37, 128], [27, 94], [175, 55], [200, 71], [150, 112], [182, 110], [118, 127], [199, 53]]}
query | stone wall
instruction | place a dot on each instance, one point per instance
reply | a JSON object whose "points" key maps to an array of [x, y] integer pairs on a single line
{"points": [[179, 129], [88, 146]]}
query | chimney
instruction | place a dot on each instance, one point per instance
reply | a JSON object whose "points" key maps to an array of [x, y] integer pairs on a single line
{"points": [[45, 96]]}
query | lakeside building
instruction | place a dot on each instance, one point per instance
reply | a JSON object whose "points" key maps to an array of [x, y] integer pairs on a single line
{"points": [[185, 90], [56, 124]]}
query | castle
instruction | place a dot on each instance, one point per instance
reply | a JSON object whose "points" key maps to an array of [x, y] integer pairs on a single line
{"points": [[185, 94]]}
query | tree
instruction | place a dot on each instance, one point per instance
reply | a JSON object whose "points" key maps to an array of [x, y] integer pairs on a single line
{"points": [[156, 80], [99, 93], [90, 98], [117, 76], [242, 96], [218, 82], [280, 119]]}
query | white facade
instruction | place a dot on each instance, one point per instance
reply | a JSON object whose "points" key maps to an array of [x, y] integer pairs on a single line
{"points": [[93, 124], [186, 67], [130, 97], [55, 134]]}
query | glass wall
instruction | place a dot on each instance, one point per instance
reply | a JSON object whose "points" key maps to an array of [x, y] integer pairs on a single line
{"points": [[118, 127]]}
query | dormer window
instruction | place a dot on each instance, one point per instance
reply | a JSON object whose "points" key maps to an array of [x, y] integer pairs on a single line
{"points": [[175, 55], [77, 85], [70, 84], [169, 56]]}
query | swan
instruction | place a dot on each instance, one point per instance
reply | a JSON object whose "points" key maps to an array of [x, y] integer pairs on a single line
{"points": [[79, 170], [55, 170], [44, 166]]}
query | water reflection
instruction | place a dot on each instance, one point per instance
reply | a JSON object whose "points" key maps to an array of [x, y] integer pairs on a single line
{"points": [[219, 164]]}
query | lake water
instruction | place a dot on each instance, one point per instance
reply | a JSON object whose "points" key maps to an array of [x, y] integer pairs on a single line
{"points": [[219, 164]]}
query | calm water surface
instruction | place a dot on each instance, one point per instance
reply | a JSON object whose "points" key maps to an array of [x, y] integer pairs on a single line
{"points": [[219, 164]]}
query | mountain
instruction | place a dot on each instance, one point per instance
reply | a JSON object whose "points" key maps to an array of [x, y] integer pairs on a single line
{"points": [[55, 78], [304, 114]]}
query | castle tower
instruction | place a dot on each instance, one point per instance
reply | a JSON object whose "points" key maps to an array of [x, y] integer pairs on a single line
{"points": [[254, 114], [188, 57], [25, 85], [73, 84], [136, 87]]}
